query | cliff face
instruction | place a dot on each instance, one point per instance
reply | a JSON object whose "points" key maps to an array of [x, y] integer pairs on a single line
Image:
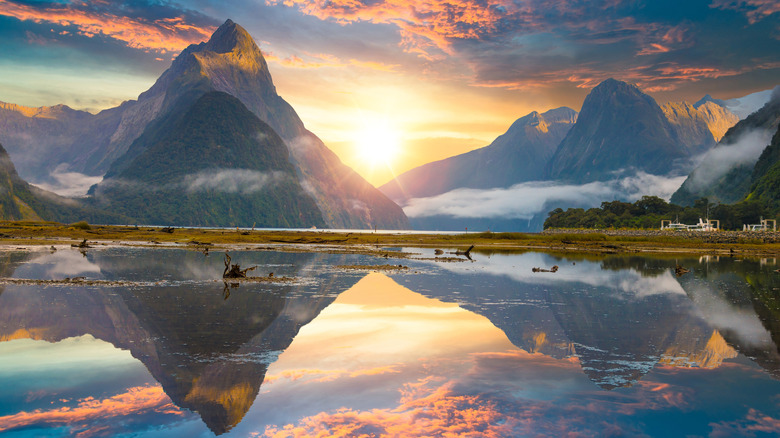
{"points": [[619, 128], [699, 128]]}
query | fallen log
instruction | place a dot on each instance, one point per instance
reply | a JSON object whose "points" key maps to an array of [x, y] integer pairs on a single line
{"points": [[234, 271]]}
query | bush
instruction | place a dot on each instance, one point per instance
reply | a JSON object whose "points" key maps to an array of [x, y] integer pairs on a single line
{"points": [[81, 225]]}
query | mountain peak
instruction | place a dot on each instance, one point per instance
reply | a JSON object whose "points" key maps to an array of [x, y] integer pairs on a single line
{"points": [[614, 85], [231, 37]]}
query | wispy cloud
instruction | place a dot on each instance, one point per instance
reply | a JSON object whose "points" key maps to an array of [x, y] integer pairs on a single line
{"points": [[744, 150], [243, 181], [755, 10], [158, 34], [67, 183], [525, 200]]}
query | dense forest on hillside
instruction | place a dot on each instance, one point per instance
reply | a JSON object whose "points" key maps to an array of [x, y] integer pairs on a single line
{"points": [[649, 211]]}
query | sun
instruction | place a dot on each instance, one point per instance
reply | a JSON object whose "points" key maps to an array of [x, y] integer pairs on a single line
{"points": [[377, 143]]}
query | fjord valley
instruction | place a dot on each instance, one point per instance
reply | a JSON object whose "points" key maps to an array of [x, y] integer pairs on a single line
{"points": [[391, 219], [212, 143]]}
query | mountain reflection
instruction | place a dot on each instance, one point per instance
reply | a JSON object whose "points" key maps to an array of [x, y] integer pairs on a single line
{"points": [[209, 354], [486, 348]]}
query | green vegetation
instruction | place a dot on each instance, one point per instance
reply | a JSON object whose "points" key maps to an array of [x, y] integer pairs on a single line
{"points": [[648, 212], [214, 164], [81, 225]]}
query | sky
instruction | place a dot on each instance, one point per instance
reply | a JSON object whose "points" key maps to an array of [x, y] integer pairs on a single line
{"points": [[432, 78]]}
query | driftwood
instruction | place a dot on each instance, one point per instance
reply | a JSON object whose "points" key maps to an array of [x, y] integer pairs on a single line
{"points": [[234, 271], [166, 229], [83, 244], [553, 269], [466, 253]]}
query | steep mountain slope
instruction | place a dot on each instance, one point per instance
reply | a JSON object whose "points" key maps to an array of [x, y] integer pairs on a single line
{"points": [[765, 181], [213, 163], [516, 156], [699, 127], [232, 63], [618, 128], [724, 174]]}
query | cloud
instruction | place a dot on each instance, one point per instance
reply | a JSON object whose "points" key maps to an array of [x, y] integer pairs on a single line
{"points": [[718, 161], [755, 10], [71, 184], [243, 181], [137, 400], [525, 200], [170, 32]]}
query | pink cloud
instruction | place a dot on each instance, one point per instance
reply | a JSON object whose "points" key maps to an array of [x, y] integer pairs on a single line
{"points": [[163, 35]]}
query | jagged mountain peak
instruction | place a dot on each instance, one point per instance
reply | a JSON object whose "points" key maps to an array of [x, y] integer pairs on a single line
{"points": [[231, 37]]}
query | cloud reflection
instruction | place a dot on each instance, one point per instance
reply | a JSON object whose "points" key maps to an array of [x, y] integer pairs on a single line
{"points": [[136, 401]]}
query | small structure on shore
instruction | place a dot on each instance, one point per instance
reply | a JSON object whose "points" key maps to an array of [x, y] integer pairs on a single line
{"points": [[765, 225], [703, 225]]}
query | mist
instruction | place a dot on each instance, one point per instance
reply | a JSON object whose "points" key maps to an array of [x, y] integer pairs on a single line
{"points": [[67, 183], [243, 181], [719, 160], [529, 199]]}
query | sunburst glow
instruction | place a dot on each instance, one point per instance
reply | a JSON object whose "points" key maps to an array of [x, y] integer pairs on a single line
{"points": [[377, 143]]}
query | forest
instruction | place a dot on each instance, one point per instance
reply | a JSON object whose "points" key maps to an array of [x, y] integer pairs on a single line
{"points": [[649, 211]]}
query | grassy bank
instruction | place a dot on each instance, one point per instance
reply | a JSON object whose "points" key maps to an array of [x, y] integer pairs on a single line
{"points": [[49, 233]]}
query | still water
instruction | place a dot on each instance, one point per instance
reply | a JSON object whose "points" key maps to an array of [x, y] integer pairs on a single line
{"points": [[605, 346]]}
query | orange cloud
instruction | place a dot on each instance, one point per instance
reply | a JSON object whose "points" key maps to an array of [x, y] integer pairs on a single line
{"points": [[440, 413], [423, 25], [163, 35], [136, 400]]}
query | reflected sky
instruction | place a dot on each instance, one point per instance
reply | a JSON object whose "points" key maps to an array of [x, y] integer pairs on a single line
{"points": [[605, 346]]}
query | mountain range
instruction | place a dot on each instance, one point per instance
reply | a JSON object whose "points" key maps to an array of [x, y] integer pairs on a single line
{"points": [[211, 143], [620, 132], [315, 189]]}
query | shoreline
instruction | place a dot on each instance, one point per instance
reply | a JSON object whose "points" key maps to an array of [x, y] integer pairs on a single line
{"points": [[14, 234]]}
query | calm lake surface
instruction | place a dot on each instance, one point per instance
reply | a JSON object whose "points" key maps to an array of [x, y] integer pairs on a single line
{"points": [[606, 346]]}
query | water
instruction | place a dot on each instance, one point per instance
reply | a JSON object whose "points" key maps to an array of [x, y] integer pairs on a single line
{"points": [[615, 345]]}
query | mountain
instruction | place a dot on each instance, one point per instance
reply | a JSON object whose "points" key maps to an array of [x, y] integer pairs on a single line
{"points": [[232, 63], [741, 106], [229, 62], [518, 155], [621, 128], [765, 181], [213, 164], [701, 126], [20, 200], [725, 172]]}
